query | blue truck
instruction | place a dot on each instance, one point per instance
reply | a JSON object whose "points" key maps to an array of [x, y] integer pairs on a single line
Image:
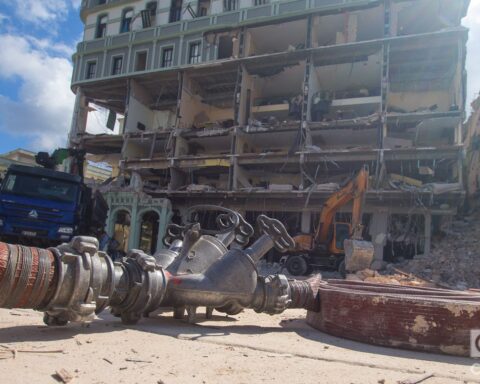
{"points": [[40, 206]]}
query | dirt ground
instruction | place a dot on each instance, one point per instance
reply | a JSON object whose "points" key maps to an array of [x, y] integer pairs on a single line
{"points": [[247, 348]]}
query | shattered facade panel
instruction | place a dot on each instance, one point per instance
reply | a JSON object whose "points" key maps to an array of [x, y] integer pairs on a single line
{"points": [[269, 108]]}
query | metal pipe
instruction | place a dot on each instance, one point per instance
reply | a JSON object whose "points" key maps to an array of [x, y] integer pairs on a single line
{"points": [[260, 248]]}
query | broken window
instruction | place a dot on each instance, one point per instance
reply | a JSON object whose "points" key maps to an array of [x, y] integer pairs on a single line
{"points": [[194, 53], [117, 65], [230, 5], [127, 17], [91, 70], [225, 47], [288, 36], [141, 61], [149, 14], [167, 57], [175, 11], [203, 8], [101, 27]]}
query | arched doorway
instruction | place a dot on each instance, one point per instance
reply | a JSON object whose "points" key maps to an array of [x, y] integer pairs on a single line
{"points": [[149, 225], [121, 230]]}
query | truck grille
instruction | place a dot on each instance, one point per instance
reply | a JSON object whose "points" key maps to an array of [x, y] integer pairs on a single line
{"points": [[23, 210]]}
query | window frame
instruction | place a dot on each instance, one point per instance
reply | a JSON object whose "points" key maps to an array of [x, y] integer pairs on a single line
{"points": [[171, 49], [197, 59], [104, 26], [175, 17], [124, 19], [88, 73], [230, 5], [120, 70], [200, 8], [135, 62]]}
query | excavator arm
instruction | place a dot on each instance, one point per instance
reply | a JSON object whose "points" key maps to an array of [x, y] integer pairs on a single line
{"points": [[358, 253], [354, 190]]}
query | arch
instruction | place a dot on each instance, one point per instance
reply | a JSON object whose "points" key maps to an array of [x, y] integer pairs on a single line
{"points": [[127, 19], [121, 220], [149, 221], [101, 28]]}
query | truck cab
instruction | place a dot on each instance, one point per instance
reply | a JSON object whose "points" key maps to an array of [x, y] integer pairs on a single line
{"points": [[39, 205]]}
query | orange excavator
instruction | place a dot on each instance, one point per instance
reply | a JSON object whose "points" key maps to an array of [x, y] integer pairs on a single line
{"points": [[336, 245]]}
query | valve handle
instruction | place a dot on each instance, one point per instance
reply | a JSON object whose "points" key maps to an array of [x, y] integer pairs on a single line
{"points": [[277, 232], [243, 230], [227, 221], [173, 232]]}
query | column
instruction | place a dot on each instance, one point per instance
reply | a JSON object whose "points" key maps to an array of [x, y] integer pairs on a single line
{"points": [[79, 118], [378, 232], [428, 234]]}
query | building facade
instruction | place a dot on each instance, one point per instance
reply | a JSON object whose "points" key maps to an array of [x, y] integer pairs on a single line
{"points": [[268, 106]]}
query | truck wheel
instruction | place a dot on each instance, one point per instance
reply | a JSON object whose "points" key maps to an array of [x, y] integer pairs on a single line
{"points": [[297, 265]]}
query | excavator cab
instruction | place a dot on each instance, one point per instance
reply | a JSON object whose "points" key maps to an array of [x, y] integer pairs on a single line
{"points": [[341, 232]]}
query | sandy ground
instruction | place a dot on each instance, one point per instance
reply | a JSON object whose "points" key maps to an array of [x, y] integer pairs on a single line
{"points": [[248, 348]]}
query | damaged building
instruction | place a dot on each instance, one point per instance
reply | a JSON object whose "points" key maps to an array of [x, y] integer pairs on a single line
{"points": [[270, 106]]}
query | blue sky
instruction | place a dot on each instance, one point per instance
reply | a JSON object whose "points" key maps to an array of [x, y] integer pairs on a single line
{"points": [[37, 39]]}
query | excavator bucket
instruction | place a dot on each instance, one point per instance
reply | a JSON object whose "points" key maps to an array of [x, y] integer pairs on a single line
{"points": [[358, 254]]}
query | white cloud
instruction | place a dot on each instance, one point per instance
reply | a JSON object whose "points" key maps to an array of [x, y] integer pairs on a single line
{"points": [[42, 111], [40, 11], [472, 21], [50, 47], [42, 114], [42, 14], [76, 3]]}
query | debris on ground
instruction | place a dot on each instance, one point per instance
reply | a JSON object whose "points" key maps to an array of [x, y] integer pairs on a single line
{"points": [[417, 380], [63, 376], [454, 259], [7, 352], [391, 276]]}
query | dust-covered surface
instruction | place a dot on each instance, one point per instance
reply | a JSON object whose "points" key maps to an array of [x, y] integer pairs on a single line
{"points": [[454, 261], [248, 348], [392, 276]]}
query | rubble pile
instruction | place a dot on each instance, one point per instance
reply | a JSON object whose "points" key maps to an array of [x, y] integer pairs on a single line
{"points": [[391, 276], [454, 261]]}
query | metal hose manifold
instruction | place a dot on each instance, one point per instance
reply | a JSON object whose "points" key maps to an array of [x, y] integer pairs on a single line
{"points": [[74, 281], [85, 282], [276, 295], [141, 288]]}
